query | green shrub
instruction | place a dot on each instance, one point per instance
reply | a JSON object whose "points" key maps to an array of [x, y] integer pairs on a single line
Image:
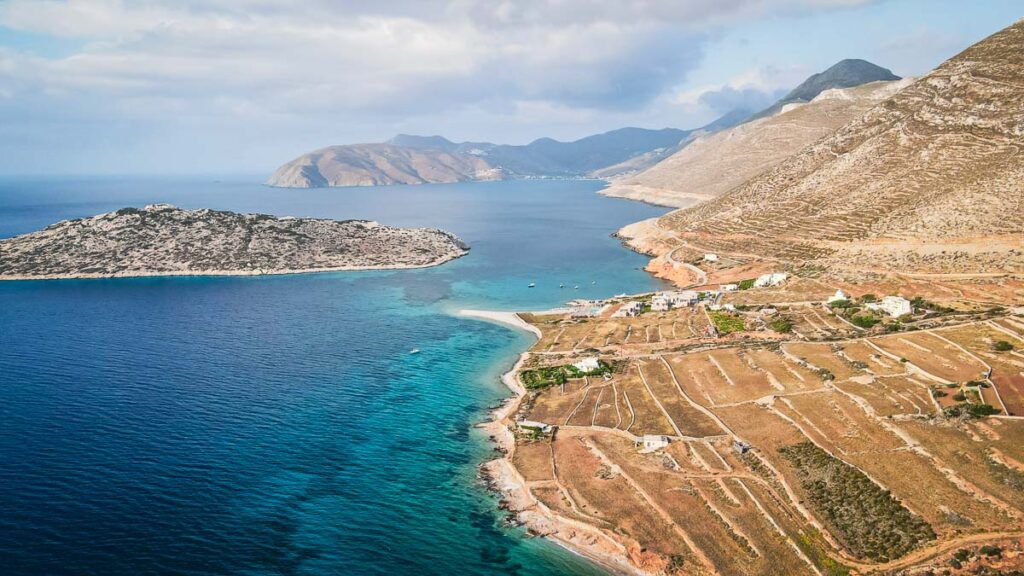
{"points": [[989, 550], [746, 284], [781, 325], [864, 321], [727, 323], [869, 298], [1002, 346], [970, 410], [868, 520], [960, 397]]}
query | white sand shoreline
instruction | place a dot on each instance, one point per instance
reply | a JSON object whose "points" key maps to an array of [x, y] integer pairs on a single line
{"points": [[507, 318]]}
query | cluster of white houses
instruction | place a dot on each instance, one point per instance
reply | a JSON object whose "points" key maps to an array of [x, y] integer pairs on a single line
{"points": [[894, 306], [665, 301]]}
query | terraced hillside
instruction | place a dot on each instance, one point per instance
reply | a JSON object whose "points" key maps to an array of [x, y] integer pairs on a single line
{"points": [[799, 444], [715, 163], [930, 180]]}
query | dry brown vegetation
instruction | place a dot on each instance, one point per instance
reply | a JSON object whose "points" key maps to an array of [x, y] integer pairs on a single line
{"points": [[857, 407], [928, 181]]}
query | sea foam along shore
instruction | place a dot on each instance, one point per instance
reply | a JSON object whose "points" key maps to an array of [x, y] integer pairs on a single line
{"points": [[502, 477]]}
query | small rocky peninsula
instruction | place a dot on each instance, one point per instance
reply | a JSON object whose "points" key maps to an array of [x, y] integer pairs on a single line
{"points": [[163, 240]]}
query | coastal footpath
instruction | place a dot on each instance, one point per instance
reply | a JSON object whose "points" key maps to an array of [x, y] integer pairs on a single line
{"points": [[163, 240]]}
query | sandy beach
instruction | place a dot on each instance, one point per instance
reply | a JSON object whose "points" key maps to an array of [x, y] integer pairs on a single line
{"points": [[507, 318]]}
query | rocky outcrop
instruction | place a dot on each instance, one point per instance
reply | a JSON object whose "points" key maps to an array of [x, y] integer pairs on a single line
{"points": [[162, 240]]}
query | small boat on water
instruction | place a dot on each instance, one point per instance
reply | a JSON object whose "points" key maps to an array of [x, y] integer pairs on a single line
{"points": [[414, 351], [577, 287], [561, 285], [532, 285]]}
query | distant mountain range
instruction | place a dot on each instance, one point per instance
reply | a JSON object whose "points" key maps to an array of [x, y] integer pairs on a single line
{"points": [[409, 159]]}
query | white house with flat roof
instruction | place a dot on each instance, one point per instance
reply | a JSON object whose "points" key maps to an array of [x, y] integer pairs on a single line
{"points": [[664, 301], [652, 442], [894, 306], [771, 279], [711, 257], [729, 287], [629, 309], [589, 364], [532, 424]]}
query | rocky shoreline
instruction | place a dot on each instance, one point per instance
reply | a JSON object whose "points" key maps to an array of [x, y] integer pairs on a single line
{"points": [[500, 477]]}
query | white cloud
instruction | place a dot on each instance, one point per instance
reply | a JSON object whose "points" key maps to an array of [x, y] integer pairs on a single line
{"points": [[358, 63]]}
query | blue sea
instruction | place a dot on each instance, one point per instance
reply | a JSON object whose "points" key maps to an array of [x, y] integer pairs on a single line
{"points": [[279, 425]]}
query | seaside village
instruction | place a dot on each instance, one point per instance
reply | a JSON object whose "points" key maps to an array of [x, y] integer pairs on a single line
{"points": [[717, 406]]}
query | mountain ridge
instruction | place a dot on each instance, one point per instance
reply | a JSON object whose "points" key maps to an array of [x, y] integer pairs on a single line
{"points": [[412, 159], [927, 181]]}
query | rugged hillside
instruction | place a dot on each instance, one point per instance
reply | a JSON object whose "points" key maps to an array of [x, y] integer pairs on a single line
{"points": [[715, 163], [161, 240], [843, 74], [930, 180], [408, 159], [377, 164]]}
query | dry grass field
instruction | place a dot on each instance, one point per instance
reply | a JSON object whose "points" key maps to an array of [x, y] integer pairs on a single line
{"points": [[768, 439]]}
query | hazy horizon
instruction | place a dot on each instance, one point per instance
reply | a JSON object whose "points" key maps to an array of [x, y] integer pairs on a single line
{"points": [[241, 86]]}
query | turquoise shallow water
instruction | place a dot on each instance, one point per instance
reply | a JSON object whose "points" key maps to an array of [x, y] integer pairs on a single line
{"points": [[278, 425]]}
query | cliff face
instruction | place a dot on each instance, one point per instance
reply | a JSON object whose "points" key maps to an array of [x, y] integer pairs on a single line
{"points": [[162, 240], [715, 163], [929, 180]]}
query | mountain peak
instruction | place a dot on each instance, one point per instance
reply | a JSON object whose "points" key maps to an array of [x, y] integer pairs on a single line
{"points": [[843, 74]]}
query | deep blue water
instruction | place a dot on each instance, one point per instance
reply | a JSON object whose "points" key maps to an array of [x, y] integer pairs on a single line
{"points": [[278, 425]]}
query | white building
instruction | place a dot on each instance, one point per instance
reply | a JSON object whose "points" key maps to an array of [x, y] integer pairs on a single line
{"points": [[663, 301], [711, 257], [729, 287], [531, 424], [894, 306], [771, 279], [839, 296], [629, 309], [589, 364], [652, 442]]}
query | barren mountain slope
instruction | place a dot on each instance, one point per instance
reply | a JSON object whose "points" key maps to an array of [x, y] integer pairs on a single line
{"points": [[930, 180], [377, 164], [162, 240], [714, 164]]}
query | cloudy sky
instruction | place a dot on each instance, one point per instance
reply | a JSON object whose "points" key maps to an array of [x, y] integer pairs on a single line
{"points": [[228, 86]]}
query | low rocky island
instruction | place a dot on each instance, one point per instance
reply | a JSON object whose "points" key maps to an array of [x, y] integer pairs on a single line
{"points": [[163, 240]]}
